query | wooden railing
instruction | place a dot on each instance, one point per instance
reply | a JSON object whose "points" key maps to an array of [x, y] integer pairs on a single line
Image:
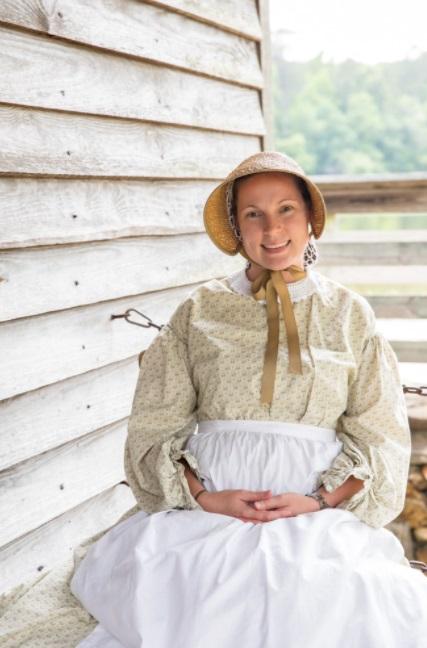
{"points": [[391, 192], [388, 266]]}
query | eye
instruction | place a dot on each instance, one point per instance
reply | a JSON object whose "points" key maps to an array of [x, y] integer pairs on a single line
{"points": [[286, 208], [251, 213]]}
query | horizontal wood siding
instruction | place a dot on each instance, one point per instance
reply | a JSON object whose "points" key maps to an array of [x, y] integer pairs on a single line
{"points": [[42, 279], [57, 345], [46, 418], [49, 545], [94, 82], [239, 17], [54, 482], [42, 142], [142, 31], [42, 211], [117, 119]]}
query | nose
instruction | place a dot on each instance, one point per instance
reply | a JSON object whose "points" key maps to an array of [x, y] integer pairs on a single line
{"points": [[272, 224]]}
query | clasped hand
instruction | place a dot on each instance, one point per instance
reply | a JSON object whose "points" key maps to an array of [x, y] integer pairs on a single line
{"points": [[257, 506]]}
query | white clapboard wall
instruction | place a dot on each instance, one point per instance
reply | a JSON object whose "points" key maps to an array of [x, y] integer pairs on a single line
{"points": [[117, 119]]}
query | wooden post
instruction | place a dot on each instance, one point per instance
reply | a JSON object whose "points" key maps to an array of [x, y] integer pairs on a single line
{"points": [[264, 53]]}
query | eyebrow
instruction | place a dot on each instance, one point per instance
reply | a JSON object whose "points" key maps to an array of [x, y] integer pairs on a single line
{"points": [[280, 201]]}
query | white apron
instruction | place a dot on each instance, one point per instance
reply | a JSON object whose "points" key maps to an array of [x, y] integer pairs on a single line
{"points": [[193, 579]]}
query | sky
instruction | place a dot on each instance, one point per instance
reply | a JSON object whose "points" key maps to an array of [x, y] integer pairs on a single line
{"points": [[369, 31]]}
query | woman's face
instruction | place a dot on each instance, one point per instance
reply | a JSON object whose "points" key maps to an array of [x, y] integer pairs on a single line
{"points": [[273, 219]]}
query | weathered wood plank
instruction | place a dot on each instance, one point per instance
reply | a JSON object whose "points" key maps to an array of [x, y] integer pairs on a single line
{"points": [[55, 346], [38, 280], [41, 550], [419, 448], [64, 365], [410, 351], [143, 31], [400, 202], [238, 17], [407, 337], [374, 252], [375, 274], [399, 306], [44, 211], [46, 418], [417, 407], [72, 78], [379, 237], [56, 481], [38, 142], [391, 192]]}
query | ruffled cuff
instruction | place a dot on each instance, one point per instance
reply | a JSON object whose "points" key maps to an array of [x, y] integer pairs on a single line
{"points": [[156, 476], [187, 501], [342, 468]]}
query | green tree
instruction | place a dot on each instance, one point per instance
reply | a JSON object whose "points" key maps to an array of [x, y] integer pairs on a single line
{"points": [[351, 117]]}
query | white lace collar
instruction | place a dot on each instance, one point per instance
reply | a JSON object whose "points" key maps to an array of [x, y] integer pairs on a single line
{"points": [[298, 290]]}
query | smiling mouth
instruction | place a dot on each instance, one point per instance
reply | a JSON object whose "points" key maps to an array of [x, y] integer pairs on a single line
{"points": [[276, 248]]}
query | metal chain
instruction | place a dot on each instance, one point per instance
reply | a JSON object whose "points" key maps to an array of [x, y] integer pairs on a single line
{"points": [[419, 564], [421, 391], [126, 316]]}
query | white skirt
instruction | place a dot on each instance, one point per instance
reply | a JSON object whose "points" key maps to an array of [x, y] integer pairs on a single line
{"points": [[193, 579]]}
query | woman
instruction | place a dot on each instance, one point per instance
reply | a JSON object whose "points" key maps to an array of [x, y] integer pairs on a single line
{"points": [[265, 527]]}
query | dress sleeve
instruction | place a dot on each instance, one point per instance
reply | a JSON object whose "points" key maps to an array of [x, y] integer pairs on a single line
{"points": [[374, 430], [163, 416]]}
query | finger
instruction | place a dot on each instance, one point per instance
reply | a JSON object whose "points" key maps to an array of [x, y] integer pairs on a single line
{"points": [[271, 503], [255, 516], [251, 496], [269, 516]]}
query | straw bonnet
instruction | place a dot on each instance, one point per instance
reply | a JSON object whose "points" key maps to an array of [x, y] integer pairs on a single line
{"points": [[270, 284], [215, 214]]}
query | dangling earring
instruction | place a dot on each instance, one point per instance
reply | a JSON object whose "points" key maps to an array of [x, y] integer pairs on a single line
{"points": [[311, 254]]}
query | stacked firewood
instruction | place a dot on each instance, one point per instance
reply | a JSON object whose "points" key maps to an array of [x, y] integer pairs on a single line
{"points": [[415, 511], [411, 525]]}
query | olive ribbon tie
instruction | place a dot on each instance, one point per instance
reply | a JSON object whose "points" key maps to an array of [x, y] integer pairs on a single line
{"points": [[269, 285]]}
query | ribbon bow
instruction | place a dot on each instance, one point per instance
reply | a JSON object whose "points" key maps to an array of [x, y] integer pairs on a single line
{"points": [[268, 285]]}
